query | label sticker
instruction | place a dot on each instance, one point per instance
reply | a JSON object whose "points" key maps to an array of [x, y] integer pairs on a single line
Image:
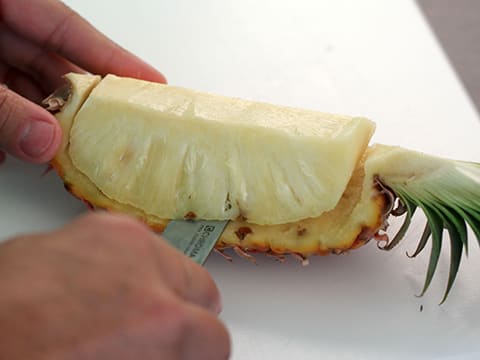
{"points": [[195, 239]]}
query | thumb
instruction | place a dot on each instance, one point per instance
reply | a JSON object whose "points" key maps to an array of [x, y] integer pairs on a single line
{"points": [[27, 131]]}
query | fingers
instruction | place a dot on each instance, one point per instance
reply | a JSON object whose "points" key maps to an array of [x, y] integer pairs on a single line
{"points": [[100, 273], [44, 66], [185, 278], [206, 338], [54, 26], [20, 83], [190, 281], [27, 131]]}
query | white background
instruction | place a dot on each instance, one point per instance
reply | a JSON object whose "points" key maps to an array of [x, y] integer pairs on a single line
{"points": [[373, 58]]}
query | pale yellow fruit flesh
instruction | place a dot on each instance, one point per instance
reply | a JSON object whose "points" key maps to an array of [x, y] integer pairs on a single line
{"points": [[293, 181], [171, 151], [357, 216]]}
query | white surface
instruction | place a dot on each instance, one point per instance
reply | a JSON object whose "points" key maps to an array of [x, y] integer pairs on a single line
{"points": [[371, 58]]}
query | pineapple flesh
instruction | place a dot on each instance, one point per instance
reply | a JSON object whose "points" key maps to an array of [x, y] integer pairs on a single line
{"points": [[191, 152], [290, 180]]}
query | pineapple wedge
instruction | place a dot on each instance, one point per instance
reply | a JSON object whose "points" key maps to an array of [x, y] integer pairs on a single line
{"points": [[217, 157], [291, 181]]}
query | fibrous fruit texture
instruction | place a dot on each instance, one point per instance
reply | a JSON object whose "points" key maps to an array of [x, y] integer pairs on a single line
{"points": [[290, 181]]}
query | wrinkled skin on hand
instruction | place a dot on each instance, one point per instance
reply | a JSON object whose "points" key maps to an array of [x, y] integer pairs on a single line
{"points": [[105, 287], [41, 40]]}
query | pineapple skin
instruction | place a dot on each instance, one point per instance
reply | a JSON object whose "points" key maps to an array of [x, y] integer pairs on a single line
{"points": [[358, 216], [387, 180]]}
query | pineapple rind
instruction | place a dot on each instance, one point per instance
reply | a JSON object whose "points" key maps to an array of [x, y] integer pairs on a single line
{"points": [[335, 230], [75, 181], [81, 86], [447, 191], [357, 217]]}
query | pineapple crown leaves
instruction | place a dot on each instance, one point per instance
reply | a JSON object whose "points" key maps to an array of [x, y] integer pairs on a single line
{"points": [[450, 199]]}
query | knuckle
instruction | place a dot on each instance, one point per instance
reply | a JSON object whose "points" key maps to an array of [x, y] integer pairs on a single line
{"points": [[183, 278], [123, 229], [189, 280], [197, 285], [191, 330], [3, 91], [6, 108], [173, 320], [59, 34], [113, 222], [180, 275], [90, 220], [210, 291], [4, 95]]}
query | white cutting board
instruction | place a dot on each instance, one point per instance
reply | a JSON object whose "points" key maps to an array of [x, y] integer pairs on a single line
{"points": [[373, 58]]}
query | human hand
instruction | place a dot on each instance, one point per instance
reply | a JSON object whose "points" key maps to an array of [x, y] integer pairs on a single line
{"points": [[41, 40], [105, 287]]}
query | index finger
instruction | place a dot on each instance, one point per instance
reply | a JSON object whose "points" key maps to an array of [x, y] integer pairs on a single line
{"points": [[53, 25], [184, 277]]}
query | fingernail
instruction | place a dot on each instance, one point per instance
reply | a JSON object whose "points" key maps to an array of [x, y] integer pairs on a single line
{"points": [[37, 138]]}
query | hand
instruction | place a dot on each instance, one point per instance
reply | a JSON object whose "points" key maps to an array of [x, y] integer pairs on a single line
{"points": [[41, 40], [105, 287]]}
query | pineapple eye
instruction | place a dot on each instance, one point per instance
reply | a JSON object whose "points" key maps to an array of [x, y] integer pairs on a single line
{"points": [[290, 181]]}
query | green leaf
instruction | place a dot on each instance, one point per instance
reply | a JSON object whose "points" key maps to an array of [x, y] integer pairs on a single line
{"points": [[455, 257], [455, 221], [411, 207], [423, 241], [472, 219], [450, 199], [436, 227]]}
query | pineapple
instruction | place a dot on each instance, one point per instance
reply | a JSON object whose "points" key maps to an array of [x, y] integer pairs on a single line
{"points": [[290, 181]]}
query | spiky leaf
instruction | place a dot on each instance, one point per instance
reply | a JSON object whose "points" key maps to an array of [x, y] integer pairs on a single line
{"points": [[448, 193]]}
